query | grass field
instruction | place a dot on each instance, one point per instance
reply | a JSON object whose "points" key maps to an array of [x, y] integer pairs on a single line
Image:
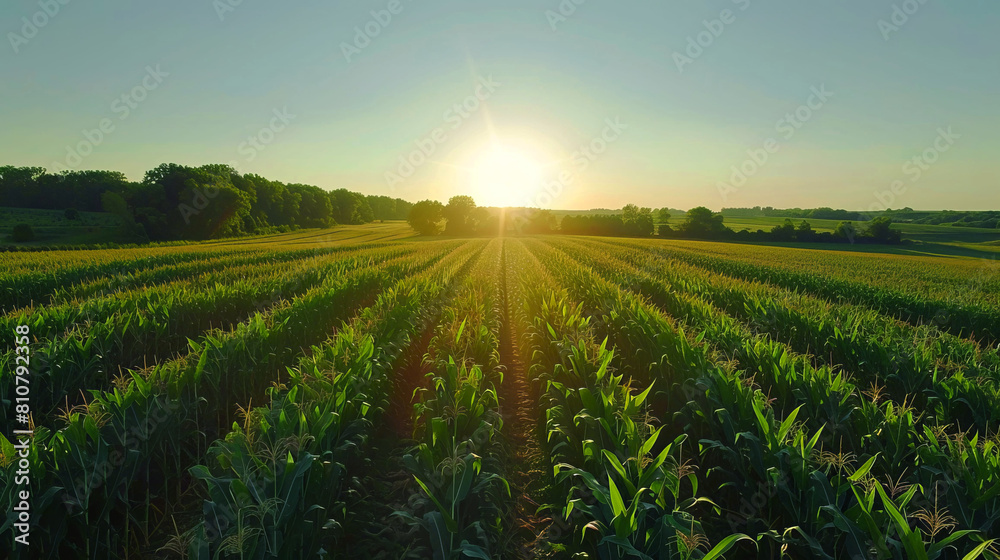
{"points": [[52, 228], [926, 238], [364, 393]]}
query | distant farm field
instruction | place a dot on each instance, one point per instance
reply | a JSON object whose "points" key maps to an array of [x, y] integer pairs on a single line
{"points": [[927, 238], [364, 393]]}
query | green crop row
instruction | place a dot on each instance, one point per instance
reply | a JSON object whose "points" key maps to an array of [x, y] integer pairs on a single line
{"points": [[954, 379], [455, 463], [629, 491], [147, 327], [855, 425], [956, 311], [22, 288], [278, 484], [129, 445], [773, 478]]}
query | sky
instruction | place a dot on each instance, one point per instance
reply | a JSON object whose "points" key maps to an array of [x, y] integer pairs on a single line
{"points": [[568, 104]]}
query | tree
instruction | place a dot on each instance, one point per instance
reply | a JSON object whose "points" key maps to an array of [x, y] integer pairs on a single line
{"points": [[22, 232], [315, 207], [459, 215], [17, 185], [179, 202], [275, 204], [425, 217], [129, 229], [540, 221], [351, 207], [71, 214], [386, 208], [880, 230], [784, 232], [701, 222], [663, 216], [805, 232], [484, 223], [637, 221], [845, 232]]}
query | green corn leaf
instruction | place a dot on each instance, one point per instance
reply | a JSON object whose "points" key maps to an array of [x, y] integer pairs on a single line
{"points": [[725, 544], [617, 504], [940, 545], [449, 521], [979, 550], [474, 551], [861, 472]]}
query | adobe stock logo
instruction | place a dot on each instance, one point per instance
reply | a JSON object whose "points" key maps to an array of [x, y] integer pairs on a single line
{"points": [[582, 158], [123, 106], [31, 26], [265, 135], [788, 126], [566, 9], [714, 29], [914, 168], [900, 16], [426, 146], [223, 7], [364, 35]]}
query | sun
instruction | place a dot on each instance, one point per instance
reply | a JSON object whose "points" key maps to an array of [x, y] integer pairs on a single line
{"points": [[504, 176]]}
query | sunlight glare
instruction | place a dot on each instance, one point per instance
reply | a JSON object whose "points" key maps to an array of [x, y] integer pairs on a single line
{"points": [[503, 176]]}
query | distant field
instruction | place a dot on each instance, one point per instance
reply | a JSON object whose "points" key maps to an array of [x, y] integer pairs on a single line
{"points": [[52, 228], [929, 239], [91, 228]]}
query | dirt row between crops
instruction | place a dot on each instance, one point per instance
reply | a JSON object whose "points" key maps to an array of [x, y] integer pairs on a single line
{"points": [[527, 463], [373, 531]]}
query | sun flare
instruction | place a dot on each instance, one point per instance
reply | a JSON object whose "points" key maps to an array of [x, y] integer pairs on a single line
{"points": [[504, 176]]}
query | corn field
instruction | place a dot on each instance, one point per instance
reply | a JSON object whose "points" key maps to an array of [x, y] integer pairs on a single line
{"points": [[510, 398]]}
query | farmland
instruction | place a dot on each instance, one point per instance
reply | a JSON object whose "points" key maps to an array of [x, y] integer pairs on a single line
{"points": [[926, 238], [365, 393]]}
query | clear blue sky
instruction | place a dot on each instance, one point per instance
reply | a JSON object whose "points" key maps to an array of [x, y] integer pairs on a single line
{"points": [[559, 84]]}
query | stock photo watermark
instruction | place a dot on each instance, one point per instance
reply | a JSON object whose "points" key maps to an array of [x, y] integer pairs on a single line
{"points": [[265, 136], [223, 7], [123, 106], [249, 149], [427, 145], [582, 158], [33, 24], [901, 14], [714, 28], [915, 168], [562, 13], [787, 126], [365, 34]]}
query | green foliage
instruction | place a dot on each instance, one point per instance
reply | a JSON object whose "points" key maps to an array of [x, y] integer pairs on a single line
{"points": [[425, 217], [540, 222], [638, 221], [461, 218], [179, 202], [784, 232], [693, 401], [702, 223], [21, 233]]}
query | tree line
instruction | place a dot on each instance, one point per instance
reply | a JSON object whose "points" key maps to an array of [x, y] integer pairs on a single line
{"points": [[461, 216], [989, 219], [822, 213], [177, 202]]}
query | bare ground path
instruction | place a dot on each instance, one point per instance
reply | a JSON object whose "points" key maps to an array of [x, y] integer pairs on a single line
{"points": [[376, 534], [527, 464]]}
